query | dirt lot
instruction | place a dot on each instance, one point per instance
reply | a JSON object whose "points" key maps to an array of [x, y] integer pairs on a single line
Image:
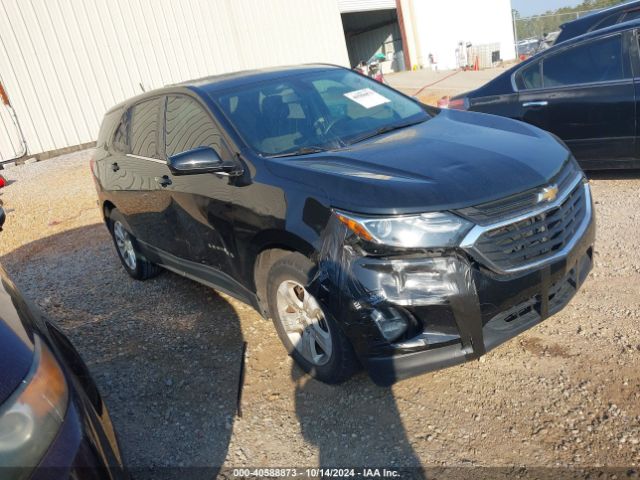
{"points": [[166, 355], [430, 86]]}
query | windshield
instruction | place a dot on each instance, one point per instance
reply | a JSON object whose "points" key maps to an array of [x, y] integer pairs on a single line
{"points": [[316, 111]]}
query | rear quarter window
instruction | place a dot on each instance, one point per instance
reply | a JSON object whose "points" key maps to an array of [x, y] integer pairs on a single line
{"points": [[109, 124], [120, 142], [606, 22], [530, 77], [632, 15]]}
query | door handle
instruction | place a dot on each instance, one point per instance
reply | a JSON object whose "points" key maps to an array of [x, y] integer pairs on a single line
{"points": [[164, 181], [542, 103], [115, 167]]}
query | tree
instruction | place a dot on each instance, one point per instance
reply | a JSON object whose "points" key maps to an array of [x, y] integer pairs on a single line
{"points": [[539, 25]]}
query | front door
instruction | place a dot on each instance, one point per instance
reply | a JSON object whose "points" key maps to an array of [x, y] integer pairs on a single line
{"points": [[201, 209], [585, 95]]}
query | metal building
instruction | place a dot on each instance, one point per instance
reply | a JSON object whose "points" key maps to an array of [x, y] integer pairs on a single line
{"points": [[63, 63], [427, 33]]}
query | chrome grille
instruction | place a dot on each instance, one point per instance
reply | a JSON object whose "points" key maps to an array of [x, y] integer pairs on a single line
{"points": [[515, 205], [537, 237]]}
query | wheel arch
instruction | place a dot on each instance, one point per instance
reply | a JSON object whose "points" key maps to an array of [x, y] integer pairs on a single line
{"points": [[107, 207], [270, 246]]}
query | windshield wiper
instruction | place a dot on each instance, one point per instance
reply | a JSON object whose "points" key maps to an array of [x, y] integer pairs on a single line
{"points": [[382, 130], [301, 151]]}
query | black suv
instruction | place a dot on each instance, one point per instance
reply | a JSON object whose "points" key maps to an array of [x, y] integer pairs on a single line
{"points": [[374, 230]]}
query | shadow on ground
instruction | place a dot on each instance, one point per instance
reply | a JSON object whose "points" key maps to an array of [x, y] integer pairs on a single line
{"points": [[339, 420], [631, 174], [165, 353]]}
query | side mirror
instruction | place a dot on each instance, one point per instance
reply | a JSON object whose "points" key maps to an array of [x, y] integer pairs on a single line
{"points": [[199, 160]]}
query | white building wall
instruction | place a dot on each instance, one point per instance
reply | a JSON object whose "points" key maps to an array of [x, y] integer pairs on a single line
{"points": [[65, 62], [439, 27]]}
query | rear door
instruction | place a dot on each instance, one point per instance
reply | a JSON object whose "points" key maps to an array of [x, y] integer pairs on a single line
{"points": [[137, 172], [200, 216], [585, 95]]}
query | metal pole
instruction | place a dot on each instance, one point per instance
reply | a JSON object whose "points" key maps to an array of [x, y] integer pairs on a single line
{"points": [[4, 98], [515, 31], [403, 36]]}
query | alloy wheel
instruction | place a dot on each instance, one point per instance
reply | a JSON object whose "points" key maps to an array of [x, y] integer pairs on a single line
{"points": [[304, 322], [125, 245]]}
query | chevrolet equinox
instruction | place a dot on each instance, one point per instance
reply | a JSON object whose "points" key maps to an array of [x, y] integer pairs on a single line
{"points": [[374, 231]]}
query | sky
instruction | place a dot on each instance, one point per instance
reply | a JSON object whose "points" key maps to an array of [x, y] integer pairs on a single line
{"points": [[535, 7]]}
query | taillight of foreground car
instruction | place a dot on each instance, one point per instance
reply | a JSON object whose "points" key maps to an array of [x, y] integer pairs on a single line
{"points": [[31, 418], [459, 103]]}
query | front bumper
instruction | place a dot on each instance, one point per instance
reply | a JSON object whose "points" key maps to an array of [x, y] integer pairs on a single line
{"points": [[462, 309], [551, 296]]}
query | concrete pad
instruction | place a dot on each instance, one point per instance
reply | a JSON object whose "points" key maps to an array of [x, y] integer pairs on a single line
{"points": [[429, 86]]}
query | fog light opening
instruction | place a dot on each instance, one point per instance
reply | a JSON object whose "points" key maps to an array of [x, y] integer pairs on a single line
{"points": [[391, 322]]}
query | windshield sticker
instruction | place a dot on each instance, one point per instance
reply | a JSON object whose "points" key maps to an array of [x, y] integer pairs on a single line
{"points": [[367, 98]]}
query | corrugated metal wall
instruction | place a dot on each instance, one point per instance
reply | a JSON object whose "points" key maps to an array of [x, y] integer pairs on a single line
{"points": [[386, 40], [65, 62], [372, 32]]}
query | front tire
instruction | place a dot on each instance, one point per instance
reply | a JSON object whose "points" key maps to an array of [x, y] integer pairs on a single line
{"points": [[133, 262], [311, 335]]}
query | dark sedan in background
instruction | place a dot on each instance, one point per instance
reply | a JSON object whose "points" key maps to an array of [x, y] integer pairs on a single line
{"points": [[582, 90], [624, 12], [53, 423]]}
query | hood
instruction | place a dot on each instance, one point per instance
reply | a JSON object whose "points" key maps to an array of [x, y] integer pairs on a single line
{"points": [[455, 160], [16, 344]]}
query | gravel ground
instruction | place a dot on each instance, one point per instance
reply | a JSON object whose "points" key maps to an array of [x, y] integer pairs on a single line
{"points": [[166, 355]]}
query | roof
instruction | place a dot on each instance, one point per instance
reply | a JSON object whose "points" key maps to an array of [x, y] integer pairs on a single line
{"points": [[594, 16], [620, 27], [217, 83]]}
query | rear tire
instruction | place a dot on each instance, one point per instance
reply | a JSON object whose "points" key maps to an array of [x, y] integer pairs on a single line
{"points": [[311, 335], [133, 262]]}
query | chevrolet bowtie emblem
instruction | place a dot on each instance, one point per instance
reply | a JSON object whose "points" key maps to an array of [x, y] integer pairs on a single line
{"points": [[548, 194]]}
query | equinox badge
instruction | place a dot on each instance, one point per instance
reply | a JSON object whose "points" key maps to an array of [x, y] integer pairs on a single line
{"points": [[548, 194]]}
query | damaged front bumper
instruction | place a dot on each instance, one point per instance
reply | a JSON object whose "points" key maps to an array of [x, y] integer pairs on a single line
{"points": [[457, 309]]}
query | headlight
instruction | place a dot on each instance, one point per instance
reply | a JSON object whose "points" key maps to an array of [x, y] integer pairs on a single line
{"points": [[31, 417], [427, 230]]}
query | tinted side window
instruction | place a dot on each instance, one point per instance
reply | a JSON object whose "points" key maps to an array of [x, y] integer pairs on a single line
{"points": [[189, 126], [606, 22], [107, 128], [530, 77], [121, 137], [144, 128], [597, 61], [632, 15]]}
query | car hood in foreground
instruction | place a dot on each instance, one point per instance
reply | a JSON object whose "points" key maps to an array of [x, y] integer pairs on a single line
{"points": [[16, 345], [455, 160]]}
